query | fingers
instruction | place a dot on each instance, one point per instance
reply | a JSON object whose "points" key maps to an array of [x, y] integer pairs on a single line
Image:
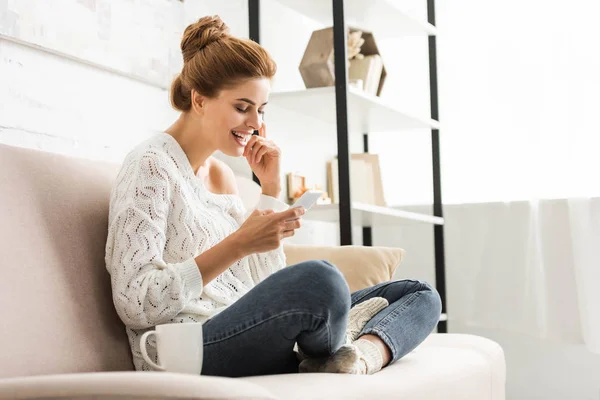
{"points": [[287, 234], [253, 139], [262, 132], [254, 144], [258, 146], [291, 225], [262, 212], [261, 152], [292, 213]]}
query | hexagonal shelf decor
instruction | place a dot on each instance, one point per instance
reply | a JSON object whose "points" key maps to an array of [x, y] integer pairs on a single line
{"points": [[365, 72]]}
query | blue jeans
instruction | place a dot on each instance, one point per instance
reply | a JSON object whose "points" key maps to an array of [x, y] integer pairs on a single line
{"points": [[309, 303]]}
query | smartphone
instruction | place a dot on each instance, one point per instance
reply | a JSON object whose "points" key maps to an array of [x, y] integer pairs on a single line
{"points": [[308, 199]]}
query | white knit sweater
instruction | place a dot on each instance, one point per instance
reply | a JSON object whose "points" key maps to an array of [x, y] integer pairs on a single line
{"points": [[161, 217]]}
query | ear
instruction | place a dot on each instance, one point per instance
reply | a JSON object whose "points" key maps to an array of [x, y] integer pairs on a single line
{"points": [[198, 102]]}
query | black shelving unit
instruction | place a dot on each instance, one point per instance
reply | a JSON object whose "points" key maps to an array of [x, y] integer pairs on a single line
{"points": [[341, 98], [438, 230]]}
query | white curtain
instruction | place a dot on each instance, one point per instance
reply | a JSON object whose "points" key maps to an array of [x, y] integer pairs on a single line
{"points": [[585, 237], [526, 267]]}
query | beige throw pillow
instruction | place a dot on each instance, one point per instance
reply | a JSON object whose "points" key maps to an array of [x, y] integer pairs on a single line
{"points": [[362, 266]]}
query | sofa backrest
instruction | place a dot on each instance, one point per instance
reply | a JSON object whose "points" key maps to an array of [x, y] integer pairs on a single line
{"points": [[57, 309]]}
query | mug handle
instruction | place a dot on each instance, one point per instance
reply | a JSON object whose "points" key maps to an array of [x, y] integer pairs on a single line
{"points": [[145, 351]]}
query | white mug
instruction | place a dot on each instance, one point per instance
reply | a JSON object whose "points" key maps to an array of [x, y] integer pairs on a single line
{"points": [[179, 347]]}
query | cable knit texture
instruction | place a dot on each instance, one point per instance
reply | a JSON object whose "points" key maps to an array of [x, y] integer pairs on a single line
{"points": [[161, 217]]}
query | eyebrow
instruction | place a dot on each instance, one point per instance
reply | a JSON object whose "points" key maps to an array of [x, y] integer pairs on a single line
{"points": [[250, 101]]}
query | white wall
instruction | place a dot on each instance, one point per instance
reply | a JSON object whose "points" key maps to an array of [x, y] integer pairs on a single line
{"points": [[60, 105], [519, 85]]}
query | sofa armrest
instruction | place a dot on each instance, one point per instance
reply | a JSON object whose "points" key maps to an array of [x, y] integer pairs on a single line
{"points": [[362, 266], [130, 385], [488, 349]]}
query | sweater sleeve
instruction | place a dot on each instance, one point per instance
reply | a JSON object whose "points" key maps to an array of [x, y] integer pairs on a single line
{"points": [[147, 291], [271, 203]]}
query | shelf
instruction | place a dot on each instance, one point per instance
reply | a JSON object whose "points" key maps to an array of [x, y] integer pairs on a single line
{"points": [[366, 113], [383, 17], [369, 215]]}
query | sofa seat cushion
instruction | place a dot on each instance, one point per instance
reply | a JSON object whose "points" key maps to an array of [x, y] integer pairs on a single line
{"points": [[444, 366]]}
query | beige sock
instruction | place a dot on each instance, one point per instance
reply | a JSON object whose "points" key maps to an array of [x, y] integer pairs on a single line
{"points": [[344, 361], [361, 314], [370, 355]]}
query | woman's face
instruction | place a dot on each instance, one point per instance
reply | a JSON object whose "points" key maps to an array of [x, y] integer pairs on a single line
{"points": [[234, 114]]}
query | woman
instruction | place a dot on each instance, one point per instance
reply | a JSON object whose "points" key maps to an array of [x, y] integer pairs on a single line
{"points": [[181, 247]]}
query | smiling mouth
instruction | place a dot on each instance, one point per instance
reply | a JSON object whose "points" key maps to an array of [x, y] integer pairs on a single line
{"points": [[241, 138]]}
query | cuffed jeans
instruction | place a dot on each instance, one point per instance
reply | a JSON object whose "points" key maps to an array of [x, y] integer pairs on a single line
{"points": [[309, 303]]}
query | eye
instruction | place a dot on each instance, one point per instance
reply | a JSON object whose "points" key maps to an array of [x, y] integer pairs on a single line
{"points": [[245, 110]]}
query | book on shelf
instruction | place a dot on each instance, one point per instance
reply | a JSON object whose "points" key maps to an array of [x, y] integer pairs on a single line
{"points": [[365, 180], [367, 69]]}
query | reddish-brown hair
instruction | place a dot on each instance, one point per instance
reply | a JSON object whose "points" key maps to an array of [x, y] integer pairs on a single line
{"points": [[214, 60]]}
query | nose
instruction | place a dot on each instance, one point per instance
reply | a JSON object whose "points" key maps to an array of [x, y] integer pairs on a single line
{"points": [[254, 120]]}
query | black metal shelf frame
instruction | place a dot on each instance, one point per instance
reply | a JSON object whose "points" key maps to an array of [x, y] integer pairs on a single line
{"points": [[341, 92]]}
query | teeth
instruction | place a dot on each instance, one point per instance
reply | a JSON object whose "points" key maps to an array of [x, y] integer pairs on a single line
{"points": [[237, 134], [241, 136]]}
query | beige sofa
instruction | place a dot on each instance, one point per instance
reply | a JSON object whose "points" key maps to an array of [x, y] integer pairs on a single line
{"points": [[61, 338]]}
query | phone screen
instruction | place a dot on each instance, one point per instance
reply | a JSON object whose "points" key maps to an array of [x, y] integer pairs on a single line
{"points": [[308, 199]]}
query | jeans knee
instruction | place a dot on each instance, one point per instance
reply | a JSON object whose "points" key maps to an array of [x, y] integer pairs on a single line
{"points": [[327, 285], [432, 297]]}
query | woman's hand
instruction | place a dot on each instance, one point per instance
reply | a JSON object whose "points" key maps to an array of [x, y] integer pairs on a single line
{"points": [[264, 230], [264, 158]]}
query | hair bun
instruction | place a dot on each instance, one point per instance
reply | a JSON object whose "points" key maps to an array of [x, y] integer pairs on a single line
{"points": [[198, 35]]}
